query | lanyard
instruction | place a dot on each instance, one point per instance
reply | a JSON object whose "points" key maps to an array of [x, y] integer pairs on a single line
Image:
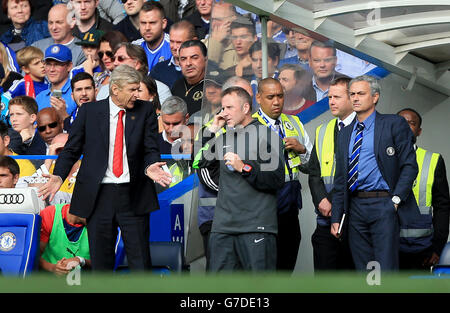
{"points": [[279, 131]]}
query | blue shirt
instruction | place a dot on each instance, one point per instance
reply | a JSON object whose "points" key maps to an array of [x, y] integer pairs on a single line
{"points": [[18, 88], [162, 53], [166, 72], [296, 60], [80, 69], [43, 99], [369, 175]]}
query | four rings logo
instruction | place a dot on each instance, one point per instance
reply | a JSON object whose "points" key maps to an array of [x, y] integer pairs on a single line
{"points": [[12, 198]]}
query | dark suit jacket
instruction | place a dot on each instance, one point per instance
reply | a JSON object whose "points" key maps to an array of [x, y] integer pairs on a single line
{"points": [[89, 136], [398, 170]]}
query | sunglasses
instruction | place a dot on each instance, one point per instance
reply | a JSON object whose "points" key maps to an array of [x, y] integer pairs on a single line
{"points": [[44, 127], [109, 54], [121, 58]]}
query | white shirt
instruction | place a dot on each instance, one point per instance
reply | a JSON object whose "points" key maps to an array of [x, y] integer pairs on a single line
{"points": [[348, 120], [308, 145], [110, 178]]}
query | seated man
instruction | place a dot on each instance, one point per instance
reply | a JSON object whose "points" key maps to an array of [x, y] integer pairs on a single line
{"points": [[9, 172], [90, 45], [48, 125], [64, 240], [294, 80]]}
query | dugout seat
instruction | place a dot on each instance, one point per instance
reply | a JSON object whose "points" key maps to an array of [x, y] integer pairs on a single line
{"points": [[444, 262], [20, 226]]}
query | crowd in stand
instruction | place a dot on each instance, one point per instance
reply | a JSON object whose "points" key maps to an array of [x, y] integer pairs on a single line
{"points": [[56, 56]]}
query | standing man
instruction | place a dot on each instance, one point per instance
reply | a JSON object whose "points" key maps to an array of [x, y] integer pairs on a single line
{"points": [[420, 250], [129, 26], [169, 71], [112, 186], [60, 28], [152, 21], [297, 150], [193, 58], [375, 170], [244, 228], [330, 253]]}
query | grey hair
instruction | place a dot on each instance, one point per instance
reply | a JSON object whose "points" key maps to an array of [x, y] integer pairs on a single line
{"points": [[233, 81], [124, 75], [174, 104], [373, 83]]}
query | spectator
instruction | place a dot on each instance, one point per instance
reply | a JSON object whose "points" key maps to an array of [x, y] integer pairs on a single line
{"points": [[275, 31], [63, 241], [49, 125], [201, 17], [58, 63], [273, 53], [302, 44], [88, 18], [26, 167], [294, 80], [134, 56], [169, 71], [90, 46], [221, 50], [129, 26], [108, 42], [24, 30], [193, 58], [322, 61], [23, 112], [83, 91], [174, 114], [39, 13], [243, 35], [291, 50], [148, 91], [178, 9], [9, 172], [154, 41], [110, 10], [60, 28], [10, 75], [31, 61]]}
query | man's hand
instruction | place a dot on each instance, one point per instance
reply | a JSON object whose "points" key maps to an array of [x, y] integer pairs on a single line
{"points": [[234, 160], [335, 229], [61, 268], [60, 106], [218, 123], [51, 187], [291, 143], [221, 32], [158, 175], [325, 207], [432, 260]]}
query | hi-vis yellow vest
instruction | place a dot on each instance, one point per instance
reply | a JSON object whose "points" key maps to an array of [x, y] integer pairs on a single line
{"points": [[292, 128], [325, 152], [422, 189], [427, 162]]}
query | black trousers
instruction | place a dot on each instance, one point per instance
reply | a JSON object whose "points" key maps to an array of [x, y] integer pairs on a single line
{"points": [[414, 261], [112, 210], [288, 240], [330, 253]]}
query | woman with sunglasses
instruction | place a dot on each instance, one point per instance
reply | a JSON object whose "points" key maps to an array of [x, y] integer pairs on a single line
{"points": [[105, 54]]}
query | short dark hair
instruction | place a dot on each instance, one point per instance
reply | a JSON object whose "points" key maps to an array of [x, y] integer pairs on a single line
{"points": [[299, 71], [244, 22], [153, 5], [81, 76], [323, 44], [113, 38], [10, 164], [341, 80], [195, 43], [186, 25], [28, 103], [273, 50], [415, 112], [240, 92], [3, 129]]}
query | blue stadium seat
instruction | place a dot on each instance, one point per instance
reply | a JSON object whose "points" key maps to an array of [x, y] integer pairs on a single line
{"points": [[19, 243], [444, 262], [20, 228]]}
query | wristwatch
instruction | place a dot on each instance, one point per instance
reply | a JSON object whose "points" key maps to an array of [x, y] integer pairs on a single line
{"points": [[246, 169], [396, 200]]}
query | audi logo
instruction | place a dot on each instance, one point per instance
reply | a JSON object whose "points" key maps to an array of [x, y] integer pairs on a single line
{"points": [[12, 198]]}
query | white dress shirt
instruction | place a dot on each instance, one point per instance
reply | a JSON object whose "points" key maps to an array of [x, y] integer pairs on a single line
{"points": [[110, 178], [348, 120]]}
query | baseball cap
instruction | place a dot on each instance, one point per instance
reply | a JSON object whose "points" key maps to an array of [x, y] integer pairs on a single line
{"points": [[59, 53], [91, 38]]}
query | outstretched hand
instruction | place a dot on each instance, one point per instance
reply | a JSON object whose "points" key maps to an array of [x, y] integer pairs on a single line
{"points": [[50, 188], [158, 175]]}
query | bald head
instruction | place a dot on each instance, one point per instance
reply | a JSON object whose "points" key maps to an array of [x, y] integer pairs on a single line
{"points": [[267, 81], [237, 81], [48, 124], [60, 24]]}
